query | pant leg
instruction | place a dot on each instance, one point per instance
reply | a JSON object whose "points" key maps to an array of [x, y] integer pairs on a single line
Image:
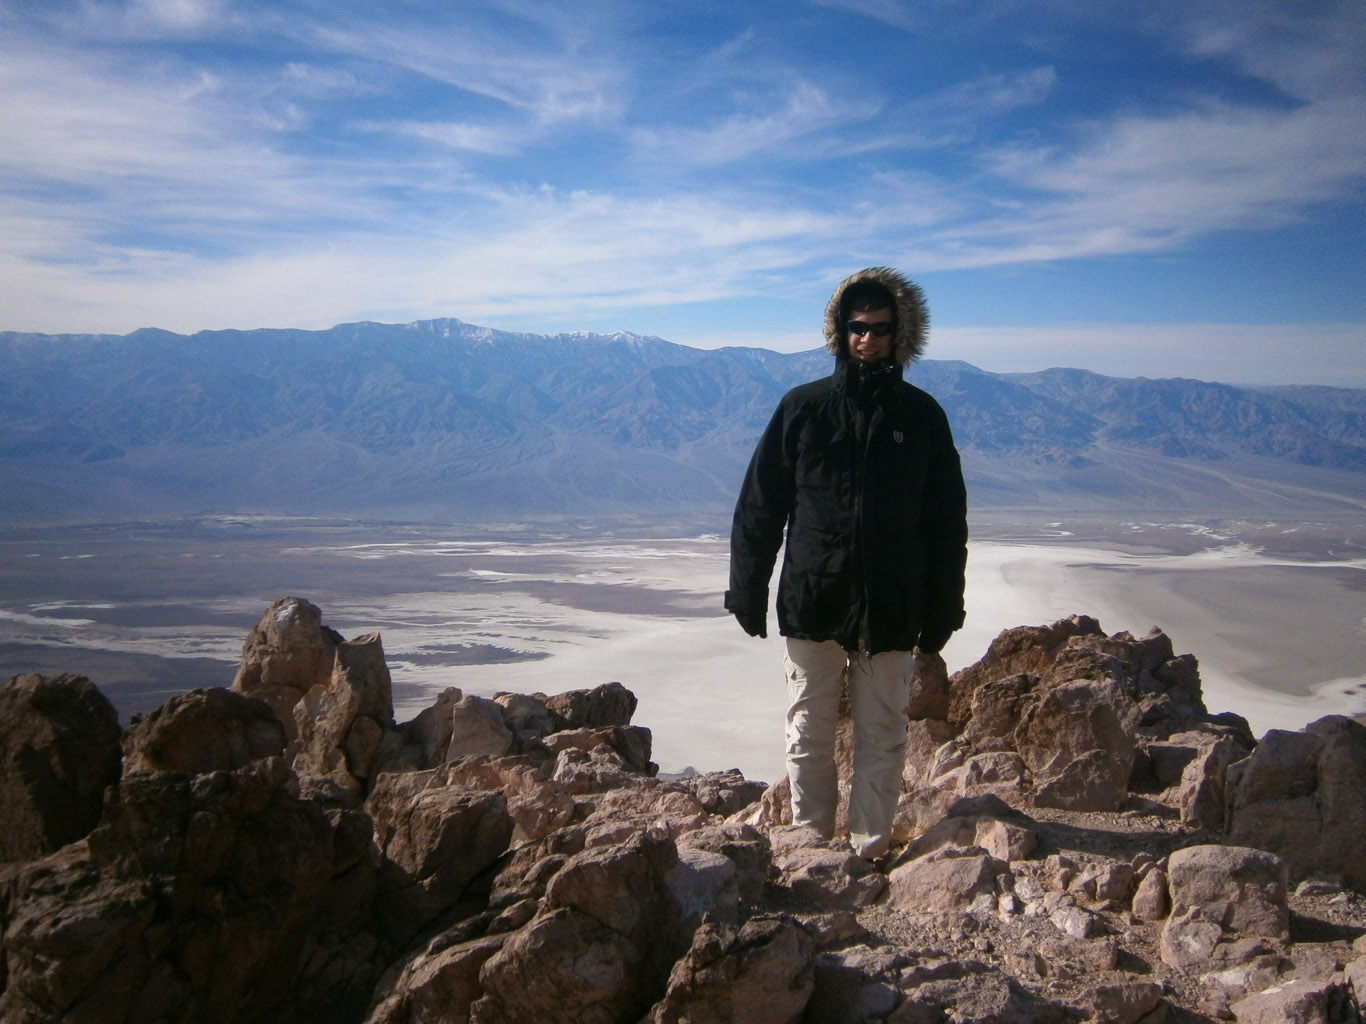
{"points": [[815, 673], [879, 689]]}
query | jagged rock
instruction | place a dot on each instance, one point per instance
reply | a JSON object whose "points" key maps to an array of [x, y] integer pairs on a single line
{"points": [[827, 873], [59, 750], [760, 973], [726, 793], [984, 823], [553, 875], [929, 688], [746, 847], [852, 985], [630, 743], [1201, 790], [600, 950], [1124, 1002], [435, 839], [606, 705], [215, 898], [438, 986], [285, 655], [1059, 716], [705, 886], [1150, 901], [203, 731], [341, 722], [943, 883], [1292, 1002], [1302, 795], [1078, 744], [477, 727], [527, 716], [1228, 904]]}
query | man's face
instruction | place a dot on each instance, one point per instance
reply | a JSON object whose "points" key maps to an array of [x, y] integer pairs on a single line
{"points": [[870, 346]]}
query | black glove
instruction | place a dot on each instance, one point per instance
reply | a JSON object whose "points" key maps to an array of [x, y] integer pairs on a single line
{"points": [[750, 610], [752, 621], [932, 641]]}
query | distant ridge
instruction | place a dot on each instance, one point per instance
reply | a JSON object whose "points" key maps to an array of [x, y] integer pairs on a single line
{"points": [[442, 420]]}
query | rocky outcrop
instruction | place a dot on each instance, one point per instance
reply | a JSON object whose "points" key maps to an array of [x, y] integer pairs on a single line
{"points": [[1300, 794], [203, 731], [518, 858], [285, 655], [59, 749], [1065, 717]]}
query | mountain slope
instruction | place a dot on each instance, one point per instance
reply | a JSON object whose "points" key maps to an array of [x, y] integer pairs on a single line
{"points": [[445, 420]]}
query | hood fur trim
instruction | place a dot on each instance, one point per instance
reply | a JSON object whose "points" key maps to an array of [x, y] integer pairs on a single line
{"points": [[912, 316]]}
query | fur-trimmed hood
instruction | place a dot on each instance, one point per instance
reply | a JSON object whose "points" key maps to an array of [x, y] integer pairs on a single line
{"points": [[912, 317]]}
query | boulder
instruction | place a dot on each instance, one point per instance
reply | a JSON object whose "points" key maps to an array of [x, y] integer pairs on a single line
{"points": [[1228, 904], [606, 705], [1078, 743], [825, 873], [600, 949], [1058, 716], [978, 824], [435, 839], [437, 986], [944, 883], [215, 898], [203, 731], [285, 655], [759, 973], [1302, 796], [1296, 1001], [59, 750]]}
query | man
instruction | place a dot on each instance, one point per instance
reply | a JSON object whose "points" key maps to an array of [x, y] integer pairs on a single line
{"points": [[861, 472]]}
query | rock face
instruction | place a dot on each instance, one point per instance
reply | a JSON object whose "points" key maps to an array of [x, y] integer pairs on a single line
{"points": [[285, 655], [59, 749], [1078, 840], [1065, 717], [203, 731], [1300, 794]]}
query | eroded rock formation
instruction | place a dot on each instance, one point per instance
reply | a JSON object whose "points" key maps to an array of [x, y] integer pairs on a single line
{"points": [[1078, 839]]}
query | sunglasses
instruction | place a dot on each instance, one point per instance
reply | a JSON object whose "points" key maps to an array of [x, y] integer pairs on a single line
{"points": [[860, 327]]}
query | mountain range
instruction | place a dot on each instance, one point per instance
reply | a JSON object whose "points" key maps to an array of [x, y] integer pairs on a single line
{"points": [[440, 420]]}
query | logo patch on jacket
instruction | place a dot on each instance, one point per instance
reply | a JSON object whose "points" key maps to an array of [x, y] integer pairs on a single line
{"points": [[898, 436]]}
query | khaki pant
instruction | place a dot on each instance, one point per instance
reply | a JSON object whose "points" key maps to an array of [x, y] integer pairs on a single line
{"points": [[879, 689]]}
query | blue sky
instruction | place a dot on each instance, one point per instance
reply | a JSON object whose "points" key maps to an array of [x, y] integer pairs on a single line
{"points": [[1157, 188]]}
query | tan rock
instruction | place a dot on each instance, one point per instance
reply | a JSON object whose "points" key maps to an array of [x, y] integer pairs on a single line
{"points": [[1302, 796], [600, 951], [285, 655], [1222, 896], [760, 973], [434, 840], [1126, 1002], [1292, 1002], [825, 873], [340, 722], [1150, 901], [943, 884]]}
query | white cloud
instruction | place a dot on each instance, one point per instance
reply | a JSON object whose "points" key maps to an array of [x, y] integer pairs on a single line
{"points": [[778, 124]]}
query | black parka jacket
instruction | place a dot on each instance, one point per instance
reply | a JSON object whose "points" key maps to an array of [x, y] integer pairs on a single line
{"points": [[860, 472]]}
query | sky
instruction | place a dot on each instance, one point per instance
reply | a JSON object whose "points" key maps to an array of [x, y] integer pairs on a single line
{"points": [[1155, 188]]}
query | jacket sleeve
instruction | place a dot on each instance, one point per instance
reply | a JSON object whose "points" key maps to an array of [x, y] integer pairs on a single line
{"points": [[761, 515], [945, 527]]}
